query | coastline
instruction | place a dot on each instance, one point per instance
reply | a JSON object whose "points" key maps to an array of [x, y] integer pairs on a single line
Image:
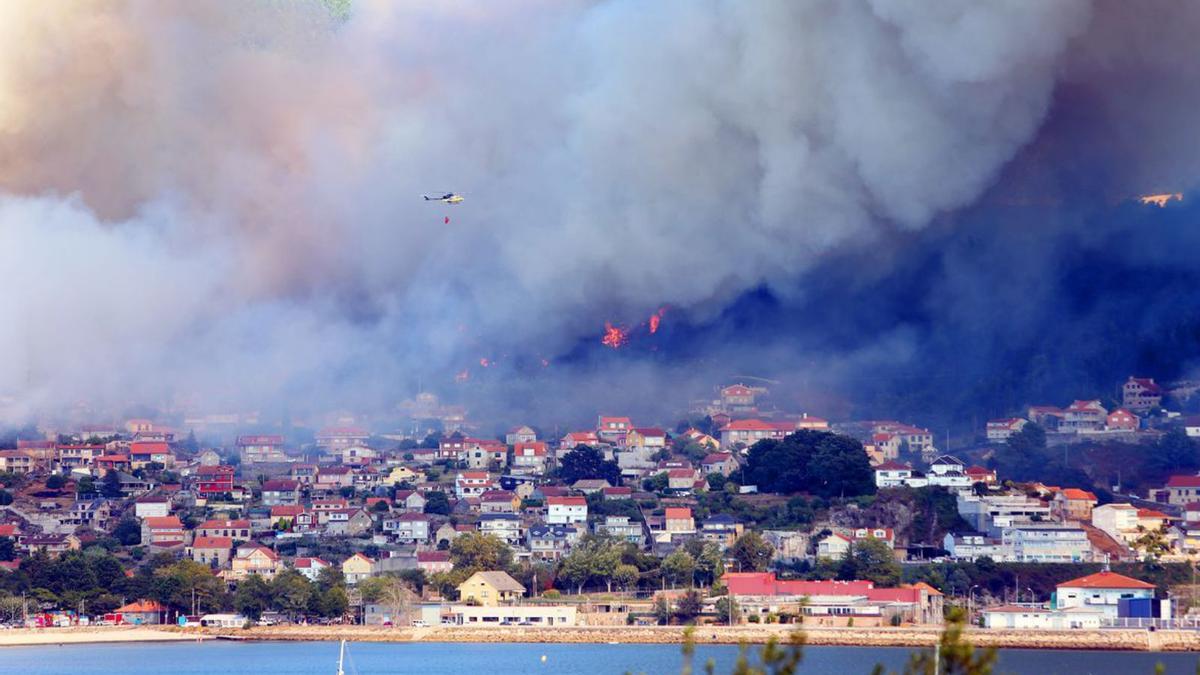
{"points": [[912, 637], [32, 637]]}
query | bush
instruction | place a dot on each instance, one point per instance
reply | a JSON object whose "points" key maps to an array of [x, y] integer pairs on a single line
{"points": [[753, 618], [772, 618], [552, 594], [895, 621]]}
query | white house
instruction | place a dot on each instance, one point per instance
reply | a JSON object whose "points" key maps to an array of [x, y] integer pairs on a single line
{"points": [[1100, 591], [1118, 521], [566, 510], [1025, 617], [1047, 543], [999, 431]]}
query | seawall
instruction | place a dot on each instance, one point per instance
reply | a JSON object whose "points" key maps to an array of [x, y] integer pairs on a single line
{"points": [[1115, 639]]}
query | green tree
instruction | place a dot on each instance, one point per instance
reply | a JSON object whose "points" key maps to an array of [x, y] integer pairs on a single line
{"points": [[437, 503], [751, 552], [662, 611], [820, 462], [592, 558], [55, 482], [85, 486], [112, 485], [128, 532], [290, 592], [626, 576], [8, 549], [474, 551], [6, 498], [252, 597], [727, 610], [1175, 451], [688, 607], [872, 560], [678, 567], [586, 462], [180, 583]]}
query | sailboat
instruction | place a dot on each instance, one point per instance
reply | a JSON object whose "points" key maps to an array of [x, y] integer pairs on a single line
{"points": [[341, 658]]}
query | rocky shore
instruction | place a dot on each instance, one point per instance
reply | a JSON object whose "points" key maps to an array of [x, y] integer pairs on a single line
{"points": [[24, 637], [1125, 640]]}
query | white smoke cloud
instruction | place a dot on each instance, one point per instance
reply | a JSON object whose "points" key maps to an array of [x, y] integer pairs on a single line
{"points": [[222, 199]]}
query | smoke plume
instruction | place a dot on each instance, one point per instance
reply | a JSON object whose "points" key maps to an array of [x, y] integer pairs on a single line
{"points": [[213, 206]]}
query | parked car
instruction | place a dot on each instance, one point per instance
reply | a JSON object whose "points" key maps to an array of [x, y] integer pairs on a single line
{"points": [[418, 623]]}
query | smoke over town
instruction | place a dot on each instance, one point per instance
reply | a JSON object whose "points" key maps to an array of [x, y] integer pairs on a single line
{"points": [[219, 204]]}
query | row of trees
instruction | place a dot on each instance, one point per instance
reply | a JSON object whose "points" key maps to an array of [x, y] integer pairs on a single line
{"points": [[817, 462]]}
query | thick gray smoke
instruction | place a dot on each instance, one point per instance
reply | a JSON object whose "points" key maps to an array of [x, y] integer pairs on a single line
{"points": [[218, 204]]}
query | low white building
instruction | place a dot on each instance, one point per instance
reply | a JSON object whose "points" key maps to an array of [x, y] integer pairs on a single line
{"points": [[566, 510], [1100, 592], [1047, 543], [974, 546], [1026, 617]]}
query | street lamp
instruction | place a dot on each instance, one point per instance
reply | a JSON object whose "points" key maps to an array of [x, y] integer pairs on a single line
{"points": [[971, 602], [1032, 595]]}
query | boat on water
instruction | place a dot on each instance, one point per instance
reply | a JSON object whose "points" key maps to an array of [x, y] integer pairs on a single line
{"points": [[341, 658]]}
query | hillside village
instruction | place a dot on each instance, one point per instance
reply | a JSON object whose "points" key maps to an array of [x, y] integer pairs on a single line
{"points": [[867, 522]]}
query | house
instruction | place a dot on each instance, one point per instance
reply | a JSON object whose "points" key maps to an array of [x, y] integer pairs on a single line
{"points": [[971, 547], [701, 439], [1141, 394], [916, 439], [288, 514], [1084, 416], [164, 531], [812, 422], [566, 510], [304, 474], [311, 567], [262, 448], [94, 513], [1101, 591], [529, 457], [613, 429], [882, 447], [621, 527], [253, 559], [836, 545], [737, 398], [499, 501], [721, 529], [1034, 617], [408, 528], [335, 439], [1073, 504], [235, 529], [490, 589], [215, 552], [520, 435], [401, 474], [719, 462], [152, 506], [484, 454], [577, 438], [472, 484], [832, 603], [1119, 521], [1182, 490], [1047, 417], [617, 493], [678, 520], [1122, 420], [999, 431], [681, 480], [409, 501], [350, 522], [143, 613], [979, 474], [212, 480], [504, 526], [49, 543], [551, 542], [357, 567], [651, 439], [1047, 543], [589, 486], [434, 562], [143, 453], [744, 433], [280, 491], [893, 474], [334, 478], [357, 455], [16, 461]]}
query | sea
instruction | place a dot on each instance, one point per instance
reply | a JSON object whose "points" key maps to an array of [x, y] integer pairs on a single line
{"points": [[320, 658]]}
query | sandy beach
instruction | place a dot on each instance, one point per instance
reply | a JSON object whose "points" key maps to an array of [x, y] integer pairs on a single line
{"points": [[66, 636]]}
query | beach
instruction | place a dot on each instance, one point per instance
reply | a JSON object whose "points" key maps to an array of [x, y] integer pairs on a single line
{"points": [[22, 637]]}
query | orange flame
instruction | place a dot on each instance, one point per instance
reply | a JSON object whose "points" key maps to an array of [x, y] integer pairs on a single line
{"points": [[1161, 200], [614, 336], [656, 319], [484, 362]]}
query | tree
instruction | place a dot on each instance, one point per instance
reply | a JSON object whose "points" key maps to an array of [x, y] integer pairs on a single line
{"points": [[474, 551], [55, 482], [85, 486], [8, 549], [624, 575], [727, 610], [181, 583], [873, 561], [6, 498], [678, 567], [688, 607], [819, 462], [290, 592], [751, 552], [190, 443], [128, 532], [437, 503], [1175, 451], [253, 597], [662, 611], [112, 485], [586, 462], [591, 558], [657, 483], [395, 594]]}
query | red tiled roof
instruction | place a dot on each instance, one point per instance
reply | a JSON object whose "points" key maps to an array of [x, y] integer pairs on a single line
{"points": [[758, 425], [892, 466], [1076, 494], [213, 542], [141, 607], [224, 525], [433, 556], [1183, 482], [1105, 580], [566, 501], [678, 513], [163, 523], [1151, 513]]}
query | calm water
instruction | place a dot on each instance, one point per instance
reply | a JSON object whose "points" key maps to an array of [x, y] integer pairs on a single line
{"points": [[313, 658]]}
